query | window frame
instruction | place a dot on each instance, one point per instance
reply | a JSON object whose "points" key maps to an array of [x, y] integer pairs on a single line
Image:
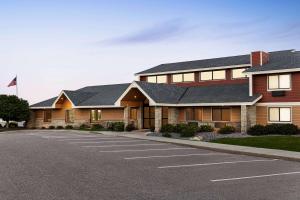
{"points": [[232, 78], [97, 115], [44, 117], [230, 114], [212, 75], [279, 89], [280, 122], [68, 118], [195, 111]]}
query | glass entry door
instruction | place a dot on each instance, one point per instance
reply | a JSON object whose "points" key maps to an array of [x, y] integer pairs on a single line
{"points": [[149, 117]]}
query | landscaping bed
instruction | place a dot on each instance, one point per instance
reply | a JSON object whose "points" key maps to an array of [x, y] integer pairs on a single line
{"points": [[289, 143]]}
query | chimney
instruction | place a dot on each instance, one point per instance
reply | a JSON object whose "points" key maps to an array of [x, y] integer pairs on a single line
{"points": [[259, 58]]}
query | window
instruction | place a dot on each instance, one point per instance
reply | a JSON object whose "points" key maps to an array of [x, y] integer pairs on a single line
{"points": [[133, 113], [238, 73], [221, 114], [165, 116], [161, 79], [205, 76], [151, 79], [219, 75], [157, 79], [69, 116], [47, 115], [278, 82], [96, 115], [189, 77], [213, 75], [279, 114], [193, 114], [177, 78]]}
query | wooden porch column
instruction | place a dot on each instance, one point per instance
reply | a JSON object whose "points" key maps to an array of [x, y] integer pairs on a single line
{"points": [[158, 117]]}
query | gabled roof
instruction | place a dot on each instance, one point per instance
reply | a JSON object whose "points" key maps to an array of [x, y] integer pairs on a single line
{"points": [[278, 58], [282, 60], [102, 95]]}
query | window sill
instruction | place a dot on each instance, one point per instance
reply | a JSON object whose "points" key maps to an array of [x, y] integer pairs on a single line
{"points": [[272, 90], [279, 122]]}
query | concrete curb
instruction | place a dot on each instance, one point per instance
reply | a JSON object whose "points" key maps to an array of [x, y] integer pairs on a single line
{"points": [[252, 151]]}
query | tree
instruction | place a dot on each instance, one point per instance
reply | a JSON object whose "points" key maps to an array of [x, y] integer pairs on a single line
{"points": [[13, 108]]}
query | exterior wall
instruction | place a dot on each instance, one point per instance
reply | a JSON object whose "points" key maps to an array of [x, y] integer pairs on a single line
{"points": [[207, 117], [260, 86], [81, 116], [262, 115], [197, 81]]}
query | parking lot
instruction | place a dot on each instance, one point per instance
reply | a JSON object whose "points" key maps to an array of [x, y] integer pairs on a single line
{"points": [[78, 165]]}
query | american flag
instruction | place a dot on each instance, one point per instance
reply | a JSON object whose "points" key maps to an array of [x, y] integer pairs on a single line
{"points": [[13, 82]]}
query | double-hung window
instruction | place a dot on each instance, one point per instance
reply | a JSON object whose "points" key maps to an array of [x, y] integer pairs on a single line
{"points": [[238, 73], [220, 114], [279, 114], [69, 116], [157, 79], [187, 77], [279, 82]]}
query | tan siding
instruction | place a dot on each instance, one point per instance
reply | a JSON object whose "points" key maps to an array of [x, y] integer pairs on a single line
{"points": [[113, 114], [82, 114], [261, 115], [296, 115], [206, 114], [236, 114], [39, 114]]}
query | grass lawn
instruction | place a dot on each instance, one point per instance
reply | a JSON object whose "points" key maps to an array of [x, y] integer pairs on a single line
{"points": [[290, 143]]}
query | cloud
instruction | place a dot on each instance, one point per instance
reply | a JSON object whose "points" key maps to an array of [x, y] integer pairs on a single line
{"points": [[159, 32]]}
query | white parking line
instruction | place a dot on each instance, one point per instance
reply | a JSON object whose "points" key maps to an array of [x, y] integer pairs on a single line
{"points": [[125, 145], [171, 156], [217, 163], [101, 142], [251, 177], [135, 150]]}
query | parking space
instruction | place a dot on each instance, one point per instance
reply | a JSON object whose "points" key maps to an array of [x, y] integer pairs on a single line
{"points": [[114, 167]]}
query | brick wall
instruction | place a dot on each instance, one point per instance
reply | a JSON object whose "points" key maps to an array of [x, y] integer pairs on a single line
{"points": [[260, 86]]}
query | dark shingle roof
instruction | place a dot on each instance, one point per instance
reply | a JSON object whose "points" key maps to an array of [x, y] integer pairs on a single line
{"points": [[277, 59], [280, 60], [233, 93], [46, 103], [172, 94], [90, 96], [163, 93]]}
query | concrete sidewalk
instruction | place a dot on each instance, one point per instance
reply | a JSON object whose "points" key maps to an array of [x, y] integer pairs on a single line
{"points": [[269, 153]]}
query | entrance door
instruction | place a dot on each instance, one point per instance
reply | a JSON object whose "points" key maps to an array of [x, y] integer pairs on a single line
{"points": [[149, 117]]}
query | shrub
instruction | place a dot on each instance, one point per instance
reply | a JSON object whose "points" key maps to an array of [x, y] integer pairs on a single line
{"points": [[118, 126], [83, 127], [257, 130], [130, 127], [97, 127], [13, 125], [281, 129], [69, 127], [188, 131], [179, 128], [51, 127], [226, 130], [43, 127], [168, 128], [194, 124], [152, 129], [206, 128], [168, 135], [59, 127]]}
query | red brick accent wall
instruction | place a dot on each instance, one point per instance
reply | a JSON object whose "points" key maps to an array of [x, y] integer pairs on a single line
{"points": [[260, 86]]}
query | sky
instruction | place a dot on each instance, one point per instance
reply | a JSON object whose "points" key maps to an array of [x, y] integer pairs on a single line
{"points": [[59, 44]]}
